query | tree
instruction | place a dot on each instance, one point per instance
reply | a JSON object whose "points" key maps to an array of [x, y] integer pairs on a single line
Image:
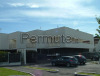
{"points": [[98, 19], [98, 30]]}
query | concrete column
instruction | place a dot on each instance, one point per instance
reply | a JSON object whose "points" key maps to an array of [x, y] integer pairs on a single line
{"points": [[23, 56]]}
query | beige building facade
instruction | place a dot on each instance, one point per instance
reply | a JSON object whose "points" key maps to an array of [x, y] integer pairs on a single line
{"points": [[39, 43], [97, 47]]}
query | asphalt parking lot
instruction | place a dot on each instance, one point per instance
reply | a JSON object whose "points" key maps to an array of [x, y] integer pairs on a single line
{"points": [[63, 70]]}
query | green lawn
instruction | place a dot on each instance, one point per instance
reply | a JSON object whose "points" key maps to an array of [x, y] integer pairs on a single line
{"points": [[89, 74], [8, 72]]}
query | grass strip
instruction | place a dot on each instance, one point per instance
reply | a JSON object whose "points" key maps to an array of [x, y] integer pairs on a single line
{"points": [[9, 72], [93, 74], [46, 69]]}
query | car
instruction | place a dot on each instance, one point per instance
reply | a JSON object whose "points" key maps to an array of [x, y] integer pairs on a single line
{"points": [[81, 59], [65, 60]]}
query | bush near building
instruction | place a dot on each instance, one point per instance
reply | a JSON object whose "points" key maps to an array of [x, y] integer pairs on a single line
{"points": [[3, 56]]}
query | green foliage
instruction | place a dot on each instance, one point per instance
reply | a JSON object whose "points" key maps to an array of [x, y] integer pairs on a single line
{"points": [[98, 19], [3, 56], [93, 74], [3, 52], [8, 72], [98, 30], [98, 34], [39, 68]]}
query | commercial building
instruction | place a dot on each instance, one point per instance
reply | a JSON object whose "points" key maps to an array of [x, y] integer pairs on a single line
{"points": [[97, 47], [36, 45]]}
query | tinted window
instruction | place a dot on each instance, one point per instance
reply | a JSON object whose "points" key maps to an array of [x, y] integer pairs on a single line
{"points": [[83, 57], [77, 56], [73, 59], [65, 57]]}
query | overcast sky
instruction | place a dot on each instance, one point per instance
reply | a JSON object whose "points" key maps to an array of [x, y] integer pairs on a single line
{"points": [[28, 15]]}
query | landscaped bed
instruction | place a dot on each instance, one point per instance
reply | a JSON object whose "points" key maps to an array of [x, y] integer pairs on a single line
{"points": [[9, 72], [92, 74]]}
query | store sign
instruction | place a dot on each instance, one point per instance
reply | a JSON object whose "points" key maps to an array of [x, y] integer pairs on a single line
{"points": [[48, 38]]}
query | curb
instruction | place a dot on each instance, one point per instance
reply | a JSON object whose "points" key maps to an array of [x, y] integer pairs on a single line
{"points": [[51, 70], [54, 71]]}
